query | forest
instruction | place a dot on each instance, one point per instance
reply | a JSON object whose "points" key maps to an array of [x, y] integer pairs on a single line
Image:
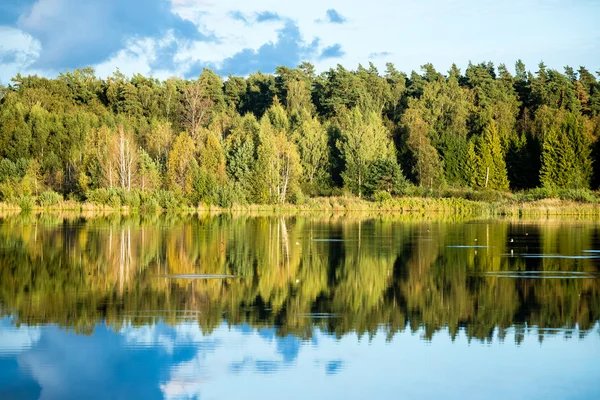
{"points": [[296, 134]]}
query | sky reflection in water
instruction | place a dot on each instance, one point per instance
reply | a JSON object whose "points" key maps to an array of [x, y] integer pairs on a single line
{"points": [[126, 307], [162, 361]]}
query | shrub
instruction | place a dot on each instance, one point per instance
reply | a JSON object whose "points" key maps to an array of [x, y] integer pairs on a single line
{"points": [[8, 190], [98, 196], [382, 196], [166, 199], [415, 191], [228, 196], [485, 195], [114, 199], [26, 203], [132, 198], [297, 197], [149, 205], [49, 198], [578, 195], [537, 194]]}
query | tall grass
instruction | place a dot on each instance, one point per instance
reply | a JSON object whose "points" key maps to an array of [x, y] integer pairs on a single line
{"points": [[417, 201]]}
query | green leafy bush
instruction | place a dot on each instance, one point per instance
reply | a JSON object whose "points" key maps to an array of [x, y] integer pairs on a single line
{"points": [[26, 203], [578, 195], [98, 196], [485, 195], [537, 194], [49, 198], [382, 196], [297, 197], [167, 199], [149, 205]]}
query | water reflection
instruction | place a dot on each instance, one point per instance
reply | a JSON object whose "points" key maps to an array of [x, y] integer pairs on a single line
{"points": [[170, 306], [182, 361], [281, 272]]}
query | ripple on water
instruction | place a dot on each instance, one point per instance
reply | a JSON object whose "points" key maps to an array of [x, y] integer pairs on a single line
{"points": [[197, 276], [318, 315], [540, 274], [467, 247], [559, 256]]}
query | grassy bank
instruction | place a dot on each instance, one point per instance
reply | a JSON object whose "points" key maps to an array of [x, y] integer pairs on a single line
{"points": [[465, 203]]}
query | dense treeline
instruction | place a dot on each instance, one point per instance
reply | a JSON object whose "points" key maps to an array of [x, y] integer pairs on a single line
{"points": [[278, 138], [374, 274]]}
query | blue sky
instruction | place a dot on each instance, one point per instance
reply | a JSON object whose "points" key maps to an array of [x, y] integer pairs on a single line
{"points": [[180, 37]]}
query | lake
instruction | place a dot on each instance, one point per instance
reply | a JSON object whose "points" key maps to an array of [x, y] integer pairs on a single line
{"points": [[270, 307]]}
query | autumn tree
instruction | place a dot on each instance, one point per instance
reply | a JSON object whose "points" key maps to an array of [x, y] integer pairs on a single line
{"points": [[179, 163]]}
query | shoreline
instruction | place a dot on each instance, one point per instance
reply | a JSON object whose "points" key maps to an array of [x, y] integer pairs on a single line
{"points": [[409, 206]]}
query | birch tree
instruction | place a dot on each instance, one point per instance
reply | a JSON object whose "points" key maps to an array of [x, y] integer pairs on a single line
{"points": [[364, 140]]}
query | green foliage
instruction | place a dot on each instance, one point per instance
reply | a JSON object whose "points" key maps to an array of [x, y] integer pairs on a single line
{"points": [[538, 194], [566, 152], [384, 174], [115, 197], [149, 205], [179, 165], [311, 138], [98, 196], [149, 173], [382, 196], [490, 167], [204, 187], [428, 166], [49, 198], [278, 169], [575, 195], [167, 200], [26, 203], [364, 141], [343, 131], [579, 195]]}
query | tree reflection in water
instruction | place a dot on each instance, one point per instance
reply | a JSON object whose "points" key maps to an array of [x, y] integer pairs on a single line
{"points": [[340, 274]]}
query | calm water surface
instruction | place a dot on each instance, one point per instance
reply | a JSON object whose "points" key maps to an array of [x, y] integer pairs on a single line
{"points": [[325, 307]]}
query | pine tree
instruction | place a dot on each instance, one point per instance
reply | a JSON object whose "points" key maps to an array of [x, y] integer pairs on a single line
{"points": [[550, 173]]}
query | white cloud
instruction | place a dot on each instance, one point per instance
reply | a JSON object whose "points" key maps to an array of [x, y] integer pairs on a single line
{"points": [[135, 58], [407, 33], [18, 51], [15, 340]]}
